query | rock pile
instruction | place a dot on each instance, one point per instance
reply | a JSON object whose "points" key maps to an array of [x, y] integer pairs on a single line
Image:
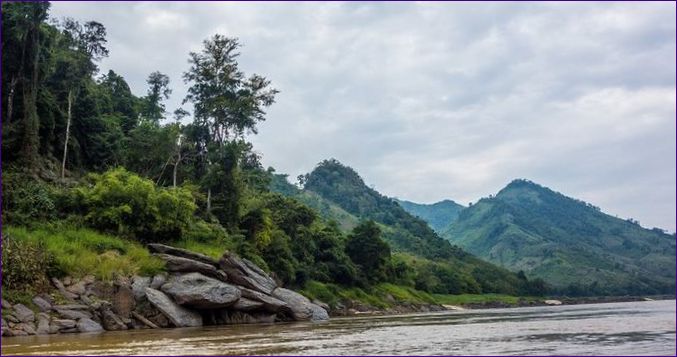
{"points": [[197, 290]]}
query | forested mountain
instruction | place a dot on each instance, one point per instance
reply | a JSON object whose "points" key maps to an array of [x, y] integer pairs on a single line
{"points": [[339, 193], [569, 243], [438, 215]]}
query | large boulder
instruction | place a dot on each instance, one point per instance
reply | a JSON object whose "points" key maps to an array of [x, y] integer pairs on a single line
{"points": [[42, 303], [183, 253], [229, 317], [43, 324], [23, 313], [63, 324], [88, 325], [198, 291], [269, 303], [185, 265], [301, 308], [74, 314], [180, 316], [139, 286], [243, 272], [244, 304]]}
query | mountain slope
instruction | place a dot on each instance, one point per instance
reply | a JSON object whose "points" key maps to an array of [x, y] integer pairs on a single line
{"points": [[569, 243], [438, 215], [438, 262]]}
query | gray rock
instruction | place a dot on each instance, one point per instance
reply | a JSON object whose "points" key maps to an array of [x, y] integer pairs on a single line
{"points": [[111, 321], [198, 291], [67, 281], [28, 327], [67, 294], [6, 304], [243, 272], [88, 325], [78, 288], [185, 265], [43, 324], [71, 307], [11, 318], [139, 286], [69, 330], [88, 279], [323, 305], [183, 253], [63, 323], [158, 281], [269, 303], [17, 332], [23, 313], [301, 308], [244, 304], [180, 316], [74, 314], [42, 304]]}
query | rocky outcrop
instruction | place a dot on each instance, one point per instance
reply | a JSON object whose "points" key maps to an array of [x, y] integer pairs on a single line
{"points": [[243, 272], [182, 253], [180, 316], [185, 265], [198, 291], [301, 308]]}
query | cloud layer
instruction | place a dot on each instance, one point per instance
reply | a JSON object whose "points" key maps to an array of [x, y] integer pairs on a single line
{"points": [[441, 100]]}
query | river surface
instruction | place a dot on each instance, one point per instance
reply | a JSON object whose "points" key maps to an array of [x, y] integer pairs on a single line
{"points": [[630, 328]]}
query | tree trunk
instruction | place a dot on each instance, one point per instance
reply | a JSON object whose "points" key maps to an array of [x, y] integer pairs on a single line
{"points": [[68, 132], [209, 200], [10, 97], [176, 168]]}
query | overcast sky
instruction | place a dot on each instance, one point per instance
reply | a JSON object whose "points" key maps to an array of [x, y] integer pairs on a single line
{"points": [[429, 101]]}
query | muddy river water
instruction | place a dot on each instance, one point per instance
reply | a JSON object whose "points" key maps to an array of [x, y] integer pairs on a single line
{"points": [[631, 328]]}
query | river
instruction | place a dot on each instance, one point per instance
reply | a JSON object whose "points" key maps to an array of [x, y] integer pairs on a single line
{"points": [[630, 328]]}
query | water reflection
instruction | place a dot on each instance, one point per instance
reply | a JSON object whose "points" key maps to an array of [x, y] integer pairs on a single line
{"points": [[621, 328]]}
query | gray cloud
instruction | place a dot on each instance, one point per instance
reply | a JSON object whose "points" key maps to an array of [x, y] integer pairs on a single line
{"points": [[441, 100]]}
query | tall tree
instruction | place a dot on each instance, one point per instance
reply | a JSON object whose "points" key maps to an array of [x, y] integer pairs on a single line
{"points": [[86, 44], [158, 90], [226, 103]]}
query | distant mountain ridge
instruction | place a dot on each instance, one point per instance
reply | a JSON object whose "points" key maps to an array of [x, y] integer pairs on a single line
{"points": [[569, 243], [438, 215]]}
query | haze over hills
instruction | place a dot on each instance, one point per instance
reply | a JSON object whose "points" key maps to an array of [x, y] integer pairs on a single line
{"points": [[438, 215], [571, 244]]}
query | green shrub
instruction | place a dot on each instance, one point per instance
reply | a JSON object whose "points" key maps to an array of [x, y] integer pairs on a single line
{"points": [[25, 200], [25, 264], [122, 202]]}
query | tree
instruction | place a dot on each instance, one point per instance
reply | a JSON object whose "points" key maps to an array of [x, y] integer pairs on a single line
{"points": [[366, 249], [226, 104], [84, 45], [158, 90]]}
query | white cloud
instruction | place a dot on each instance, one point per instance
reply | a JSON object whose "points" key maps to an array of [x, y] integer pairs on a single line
{"points": [[442, 100]]}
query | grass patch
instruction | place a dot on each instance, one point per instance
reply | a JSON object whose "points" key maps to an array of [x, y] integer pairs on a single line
{"points": [[211, 249], [79, 252]]}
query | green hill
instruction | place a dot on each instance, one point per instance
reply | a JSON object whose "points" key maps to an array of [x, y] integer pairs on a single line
{"points": [[338, 193], [571, 244], [438, 215]]}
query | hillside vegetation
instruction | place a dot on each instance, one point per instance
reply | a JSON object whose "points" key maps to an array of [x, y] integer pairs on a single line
{"points": [[571, 244]]}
